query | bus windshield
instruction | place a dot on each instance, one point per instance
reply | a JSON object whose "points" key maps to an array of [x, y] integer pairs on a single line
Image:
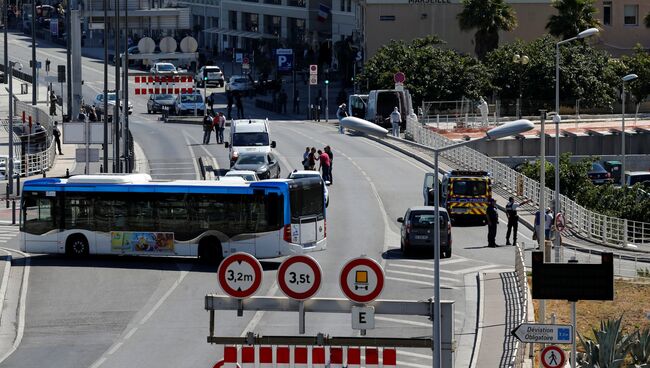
{"points": [[250, 139]]}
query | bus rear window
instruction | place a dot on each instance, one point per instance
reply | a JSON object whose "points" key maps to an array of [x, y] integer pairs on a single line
{"points": [[307, 198]]}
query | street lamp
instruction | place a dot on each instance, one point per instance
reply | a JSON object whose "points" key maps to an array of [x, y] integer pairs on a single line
{"points": [[523, 60], [505, 130], [557, 119], [627, 78], [10, 164]]}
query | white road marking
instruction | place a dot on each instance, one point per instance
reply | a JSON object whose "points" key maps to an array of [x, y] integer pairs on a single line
{"points": [[420, 268], [455, 259], [420, 282], [114, 348], [407, 364], [194, 160], [415, 355], [421, 275], [22, 304], [475, 269], [128, 335], [403, 321]]}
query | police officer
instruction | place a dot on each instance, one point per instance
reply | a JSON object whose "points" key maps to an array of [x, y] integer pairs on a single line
{"points": [[492, 221], [513, 219]]}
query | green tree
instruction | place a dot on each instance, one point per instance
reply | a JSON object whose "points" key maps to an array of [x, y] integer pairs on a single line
{"points": [[573, 176], [574, 16], [639, 64], [488, 17], [586, 73], [431, 73]]}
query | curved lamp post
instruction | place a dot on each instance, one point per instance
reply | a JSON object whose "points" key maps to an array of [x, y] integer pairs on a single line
{"points": [[627, 78], [522, 60]]}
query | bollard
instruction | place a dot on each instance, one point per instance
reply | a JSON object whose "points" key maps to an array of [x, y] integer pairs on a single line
{"points": [[13, 212], [67, 173], [44, 175], [101, 168], [18, 185], [7, 195]]}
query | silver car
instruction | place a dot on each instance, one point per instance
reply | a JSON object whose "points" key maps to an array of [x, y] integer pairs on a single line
{"points": [[98, 103]]}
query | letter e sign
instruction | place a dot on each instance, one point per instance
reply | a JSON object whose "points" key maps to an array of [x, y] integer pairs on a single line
{"points": [[363, 318]]}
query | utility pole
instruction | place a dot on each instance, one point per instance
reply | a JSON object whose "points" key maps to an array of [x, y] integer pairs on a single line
{"points": [[125, 71], [6, 63], [106, 24], [116, 113], [34, 81]]}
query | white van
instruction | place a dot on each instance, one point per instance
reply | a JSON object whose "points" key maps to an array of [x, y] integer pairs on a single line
{"points": [[248, 135]]}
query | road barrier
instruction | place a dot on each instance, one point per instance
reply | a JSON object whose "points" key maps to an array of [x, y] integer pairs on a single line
{"points": [[306, 356], [602, 229], [522, 289]]}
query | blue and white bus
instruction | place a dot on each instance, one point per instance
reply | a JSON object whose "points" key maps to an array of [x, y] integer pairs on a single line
{"points": [[131, 214]]}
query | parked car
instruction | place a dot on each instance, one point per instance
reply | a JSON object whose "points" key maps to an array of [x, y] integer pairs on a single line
{"points": [[209, 75], [163, 68], [265, 165], [247, 175], [156, 103], [299, 174], [98, 103], [598, 174], [240, 83], [634, 177], [418, 225], [189, 103]]}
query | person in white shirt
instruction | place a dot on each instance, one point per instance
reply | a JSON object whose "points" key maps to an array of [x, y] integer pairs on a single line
{"points": [[395, 120]]}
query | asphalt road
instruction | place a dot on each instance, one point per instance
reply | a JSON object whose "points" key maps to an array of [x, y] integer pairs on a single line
{"points": [[148, 312]]}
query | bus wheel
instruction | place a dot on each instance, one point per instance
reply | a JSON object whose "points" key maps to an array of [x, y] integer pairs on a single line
{"points": [[210, 251], [76, 245]]}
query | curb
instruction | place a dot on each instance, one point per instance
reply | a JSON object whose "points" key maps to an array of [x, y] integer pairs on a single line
{"points": [[5, 281], [479, 318]]}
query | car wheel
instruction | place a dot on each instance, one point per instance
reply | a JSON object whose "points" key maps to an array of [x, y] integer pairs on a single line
{"points": [[148, 111]]}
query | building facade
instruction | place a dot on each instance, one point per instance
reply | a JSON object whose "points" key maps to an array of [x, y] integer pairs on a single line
{"points": [[384, 20]]}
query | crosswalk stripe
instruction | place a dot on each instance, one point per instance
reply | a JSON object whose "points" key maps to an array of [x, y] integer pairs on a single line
{"points": [[474, 269], [419, 282], [403, 321], [412, 354], [421, 268], [450, 279], [407, 364], [456, 259]]}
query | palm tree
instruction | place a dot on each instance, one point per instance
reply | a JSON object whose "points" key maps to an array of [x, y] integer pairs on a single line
{"points": [[488, 17], [573, 17]]}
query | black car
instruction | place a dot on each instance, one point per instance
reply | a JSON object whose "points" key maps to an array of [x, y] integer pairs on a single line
{"points": [[418, 226], [156, 103], [598, 174], [265, 164]]}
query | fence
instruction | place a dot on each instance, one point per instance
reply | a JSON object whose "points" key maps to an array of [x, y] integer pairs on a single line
{"points": [[522, 288], [456, 113], [606, 230]]}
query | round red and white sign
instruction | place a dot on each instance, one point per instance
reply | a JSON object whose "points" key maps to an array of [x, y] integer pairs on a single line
{"points": [[299, 277], [362, 280], [240, 275], [553, 357], [313, 69], [399, 77], [560, 222], [245, 61]]}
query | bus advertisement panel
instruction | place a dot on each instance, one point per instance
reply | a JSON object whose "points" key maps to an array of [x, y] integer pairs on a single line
{"points": [[131, 214]]}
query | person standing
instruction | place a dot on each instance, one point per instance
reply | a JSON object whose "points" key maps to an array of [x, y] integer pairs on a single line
{"points": [[52, 103], [341, 113], [548, 221], [492, 221], [312, 159], [513, 219], [329, 152], [215, 125], [395, 120], [305, 159], [324, 165], [296, 103], [221, 127], [57, 136], [282, 99], [229, 101], [240, 106], [207, 129]]}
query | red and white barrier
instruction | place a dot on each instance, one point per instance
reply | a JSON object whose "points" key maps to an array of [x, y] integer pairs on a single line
{"points": [[306, 357], [161, 84]]}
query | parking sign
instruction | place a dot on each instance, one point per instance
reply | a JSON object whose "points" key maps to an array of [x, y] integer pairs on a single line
{"points": [[285, 60]]}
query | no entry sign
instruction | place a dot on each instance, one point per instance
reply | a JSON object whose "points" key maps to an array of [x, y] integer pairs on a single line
{"points": [[240, 275], [299, 277], [362, 280]]}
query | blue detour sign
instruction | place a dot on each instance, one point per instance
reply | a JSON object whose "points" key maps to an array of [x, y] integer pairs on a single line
{"points": [[285, 60]]}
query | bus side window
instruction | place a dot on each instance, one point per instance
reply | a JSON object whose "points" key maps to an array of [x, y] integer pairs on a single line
{"points": [[79, 212], [38, 218]]}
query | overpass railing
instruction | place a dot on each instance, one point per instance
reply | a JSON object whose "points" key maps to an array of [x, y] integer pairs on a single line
{"points": [[602, 229], [521, 276]]}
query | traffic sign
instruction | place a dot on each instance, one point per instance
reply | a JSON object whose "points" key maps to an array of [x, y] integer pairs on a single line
{"points": [[313, 69], [240, 275], [299, 277], [544, 334], [245, 60], [560, 222], [399, 77], [363, 318], [553, 357], [362, 280], [313, 79]]}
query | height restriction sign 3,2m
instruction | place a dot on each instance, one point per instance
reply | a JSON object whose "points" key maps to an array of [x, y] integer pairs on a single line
{"points": [[240, 275]]}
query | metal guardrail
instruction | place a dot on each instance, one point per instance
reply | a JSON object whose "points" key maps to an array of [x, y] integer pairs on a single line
{"points": [[602, 229], [522, 288]]}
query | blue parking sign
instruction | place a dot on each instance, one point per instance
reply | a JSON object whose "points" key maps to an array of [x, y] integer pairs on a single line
{"points": [[285, 60]]}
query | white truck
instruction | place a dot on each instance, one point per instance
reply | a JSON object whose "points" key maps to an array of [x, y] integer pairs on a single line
{"points": [[377, 106]]}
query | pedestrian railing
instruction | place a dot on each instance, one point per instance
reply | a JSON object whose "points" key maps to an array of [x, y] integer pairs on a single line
{"points": [[522, 289], [606, 230]]}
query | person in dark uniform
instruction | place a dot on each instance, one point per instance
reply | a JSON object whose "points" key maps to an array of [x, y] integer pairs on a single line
{"points": [[492, 221], [513, 219]]}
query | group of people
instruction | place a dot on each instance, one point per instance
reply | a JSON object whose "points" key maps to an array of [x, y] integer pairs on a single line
{"points": [[325, 158], [513, 222], [213, 122]]}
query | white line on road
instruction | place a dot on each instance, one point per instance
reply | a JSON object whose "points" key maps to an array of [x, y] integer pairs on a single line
{"points": [[419, 268], [407, 364], [456, 259], [415, 355], [403, 321], [475, 269], [194, 161], [419, 282], [449, 279]]}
